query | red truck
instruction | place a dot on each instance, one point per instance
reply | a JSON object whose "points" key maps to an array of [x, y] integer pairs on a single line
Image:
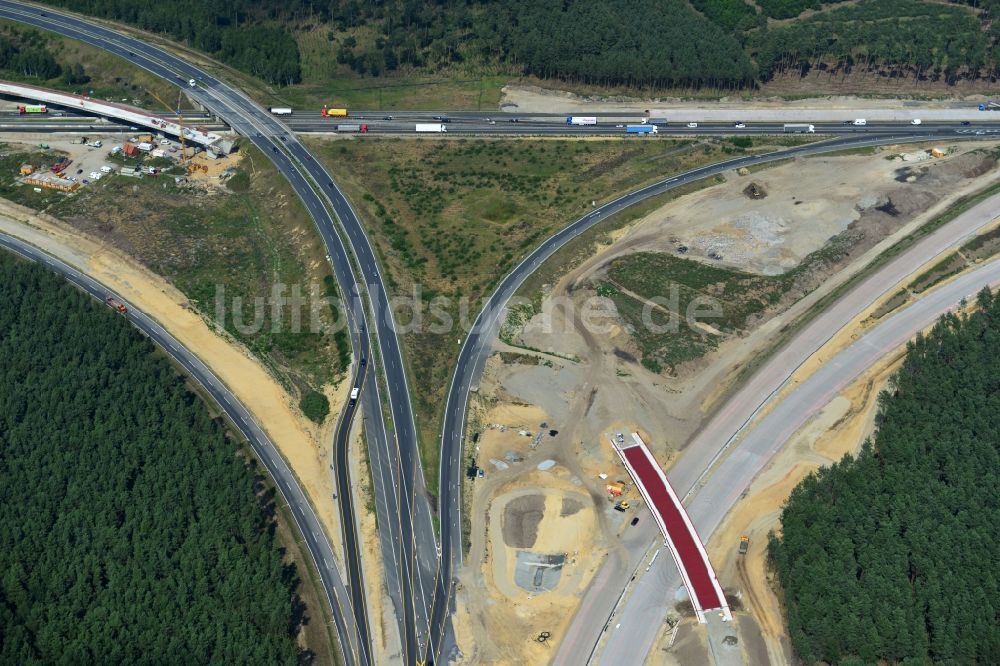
{"points": [[115, 303]]}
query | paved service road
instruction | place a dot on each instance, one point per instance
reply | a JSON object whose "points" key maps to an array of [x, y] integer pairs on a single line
{"points": [[407, 536], [478, 342], [700, 457], [642, 617], [302, 512]]}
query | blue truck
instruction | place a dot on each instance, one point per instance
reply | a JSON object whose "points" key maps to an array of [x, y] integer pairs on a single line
{"points": [[641, 129]]}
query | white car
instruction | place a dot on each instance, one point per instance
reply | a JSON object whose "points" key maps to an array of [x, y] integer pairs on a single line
{"points": [[692, 125], [106, 169], [740, 125], [95, 175], [915, 121]]}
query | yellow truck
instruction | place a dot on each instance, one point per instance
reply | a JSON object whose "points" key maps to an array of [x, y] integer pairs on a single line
{"points": [[333, 113]]}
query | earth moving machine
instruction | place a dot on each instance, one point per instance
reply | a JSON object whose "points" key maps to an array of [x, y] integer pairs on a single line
{"points": [[622, 506], [115, 303], [744, 544]]}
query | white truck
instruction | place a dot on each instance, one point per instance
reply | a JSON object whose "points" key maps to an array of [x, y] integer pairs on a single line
{"points": [[860, 122], [799, 128], [581, 120], [280, 111], [431, 127]]}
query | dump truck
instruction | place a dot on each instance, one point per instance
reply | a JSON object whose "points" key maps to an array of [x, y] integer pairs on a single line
{"points": [[333, 113], [115, 303], [431, 127], [581, 120], [641, 129], [744, 544], [799, 128]]}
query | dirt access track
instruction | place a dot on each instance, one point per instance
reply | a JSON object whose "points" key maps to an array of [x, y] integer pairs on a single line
{"points": [[304, 446], [524, 99], [583, 380]]}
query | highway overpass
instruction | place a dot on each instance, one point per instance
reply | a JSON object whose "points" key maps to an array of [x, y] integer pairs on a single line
{"points": [[679, 534], [126, 114]]}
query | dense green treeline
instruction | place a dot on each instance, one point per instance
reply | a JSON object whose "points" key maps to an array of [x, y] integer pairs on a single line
{"points": [[689, 43], [25, 55], [131, 532], [241, 33], [903, 35], [891, 556]]}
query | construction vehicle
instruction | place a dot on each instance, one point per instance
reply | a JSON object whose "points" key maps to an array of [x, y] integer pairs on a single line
{"points": [[622, 506], [989, 106], [744, 544], [115, 303]]}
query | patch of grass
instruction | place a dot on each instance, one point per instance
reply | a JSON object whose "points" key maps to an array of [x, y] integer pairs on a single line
{"points": [[110, 77], [679, 309], [394, 93], [449, 217], [230, 253], [861, 150]]}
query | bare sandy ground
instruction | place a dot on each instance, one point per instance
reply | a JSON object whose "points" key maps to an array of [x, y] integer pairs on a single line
{"points": [[502, 626], [305, 446], [588, 385], [532, 99], [839, 429]]}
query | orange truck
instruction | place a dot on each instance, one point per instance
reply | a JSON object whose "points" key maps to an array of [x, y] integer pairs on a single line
{"points": [[333, 113], [115, 303]]}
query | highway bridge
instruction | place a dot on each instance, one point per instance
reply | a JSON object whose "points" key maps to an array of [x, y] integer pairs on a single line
{"points": [[119, 112], [679, 533], [407, 535], [393, 455]]}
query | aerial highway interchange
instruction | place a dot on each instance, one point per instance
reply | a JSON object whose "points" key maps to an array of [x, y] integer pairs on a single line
{"points": [[419, 565]]}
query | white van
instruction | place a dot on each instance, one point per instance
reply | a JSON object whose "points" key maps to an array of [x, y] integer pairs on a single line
{"points": [[860, 121], [915, 121], [354, 393]]}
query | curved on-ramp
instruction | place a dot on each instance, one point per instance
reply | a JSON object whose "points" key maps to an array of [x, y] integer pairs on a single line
{"points": [[307, 523]]}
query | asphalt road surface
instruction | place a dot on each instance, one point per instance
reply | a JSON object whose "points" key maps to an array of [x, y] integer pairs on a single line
{"points": [[694, 473], [301, 510], [411, 536], [476, 347], [642, 617], [406, 531]]}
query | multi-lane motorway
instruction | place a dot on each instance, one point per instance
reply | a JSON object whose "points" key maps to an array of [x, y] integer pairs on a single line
{"points": [[407, 534], [299, 506], [421, 593]]}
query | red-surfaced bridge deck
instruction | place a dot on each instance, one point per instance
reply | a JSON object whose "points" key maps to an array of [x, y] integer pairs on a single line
{"points": [[682, 540]]}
